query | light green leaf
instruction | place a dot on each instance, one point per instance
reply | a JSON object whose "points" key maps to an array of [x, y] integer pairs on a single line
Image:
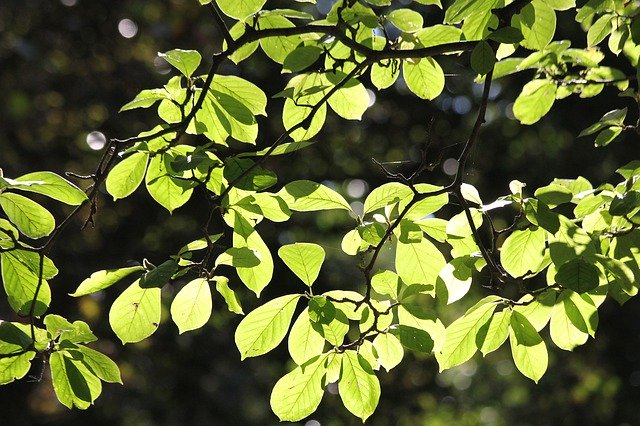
{"points": [[185, 61], [406, 20], [497, 331], [15, 367], [265, 327], [454, 279], [135, 314], [298, 394], [245, 92], [385, 73], [424, 78], [358, 387], [461, 9], [419, 263], [61, 329], [463, 335], [527, 347], [239, 257], [438, 34], [191, 308], [537, 21], [145, 99], [350, 101], [277, 48], [523, 251], [331, 323], [100, 280], [229, 296], [100, 365], [304, 259], [385, 195], [163, 182], [599, 30], [293, 114], [389, 349], [535, 100], [75, 385], [537, 311], [127, 175], [568, 327], [578, 275], [351, 242], [387, 283], [20, 279], [483, 58], [419, 318], [304, 341], [53, 186], [305, 195], [29, 217]]}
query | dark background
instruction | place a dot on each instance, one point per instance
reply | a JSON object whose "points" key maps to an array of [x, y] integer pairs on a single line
{"points": [[65, 70]]}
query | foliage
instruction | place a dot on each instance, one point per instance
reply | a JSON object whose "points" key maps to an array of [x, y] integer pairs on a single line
{"points": [[570, 245]]}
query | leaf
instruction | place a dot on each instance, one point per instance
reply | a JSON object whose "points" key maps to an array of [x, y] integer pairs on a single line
{"points": [[600, 29], [163, 182], [386, 195], [523, 251], [424, 78], [539, 310], [351, 100], [265, 327], [301, 58], [20, 279], [59, 328], [527, 347], [386, 282], [419, 263], [537, 21], [53, 186], [304, 341], [305, 195], [127, 175], [135, 314], [229, 296], [497, 331], [578, 275], [421, 319], [461, 9], [29, 217], [255, 277], [389, 349], [463, 337], [100, 280], [185, 61], [191, 308], [568, 326], [298, 394], [535, 100], [75, 385], [240, 257], [454, 279], [358, 387], [507, 35], [304, 259], [145, 99], [15, 367], [99, 364], [406, 20], [482, 58]]}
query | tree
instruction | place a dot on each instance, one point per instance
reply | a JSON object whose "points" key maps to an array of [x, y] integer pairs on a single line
{"points": [[567, 246]]}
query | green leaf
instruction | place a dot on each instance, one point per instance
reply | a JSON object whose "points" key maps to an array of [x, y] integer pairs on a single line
{"points": [[145, 99], [385, 73], [413, 338], [293, 114], [59, 328], [164, 183], [606, 136], [305, 195], [248, 94], [535, 100], [386, 282], [463, 335], [538, 311], [612, 118], [507, 35], [127, 175], [482, 58], [185, 61], [389, 349], [386, 195], [461, 9], [100, 280], [265, 327], [537, 21], [625, 204], [406, 20], [160, 275], [75, 385], [570, 325], [301, 58], [239, 257], [350, 101], [298, 394], [419, 263], [352, 242], [304, 259], [15, 367], [554, 194], [20, 277], [527, 347], [578, 275], [424, 78], [331, 323], [100, 365], [599, 30], [53, 186], [29, 217], [358, 387], [191, 308], [277, 48], [497, 331], [135, 314], [523, 251], [304, 341], [229, 296]]}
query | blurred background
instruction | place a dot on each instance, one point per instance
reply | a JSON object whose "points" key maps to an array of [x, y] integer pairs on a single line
{"points": [[66, 67]]}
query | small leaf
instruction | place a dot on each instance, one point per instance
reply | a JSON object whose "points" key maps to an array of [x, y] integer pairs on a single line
{"points": [[535, 101], [185, 61], [265, 327], [29, 217], [191, 308], [482, 58], [389, 349], [135, 314], [229, 296], [53, 186], [100, 280], [305, 195], [127, 175], [406, 20], [527, 347], [304, 259], [358, 387], [497, 331]]}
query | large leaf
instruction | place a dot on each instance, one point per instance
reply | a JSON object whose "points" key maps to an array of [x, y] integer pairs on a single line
{"points": [[535, 100], [165, 184], [75, 385], [100, 280], [522, 252], [350, 101], [359, 387], [265, 327], [20, 277], [29, 217], [304, 259], [419, 263], [424, 78], [53, 186], [255, 277], [127, 175], [192, 306], [15, 367], [304, 341], [537, 21], [135, 314], [527, 347], [305, 195], [497, 331]]}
